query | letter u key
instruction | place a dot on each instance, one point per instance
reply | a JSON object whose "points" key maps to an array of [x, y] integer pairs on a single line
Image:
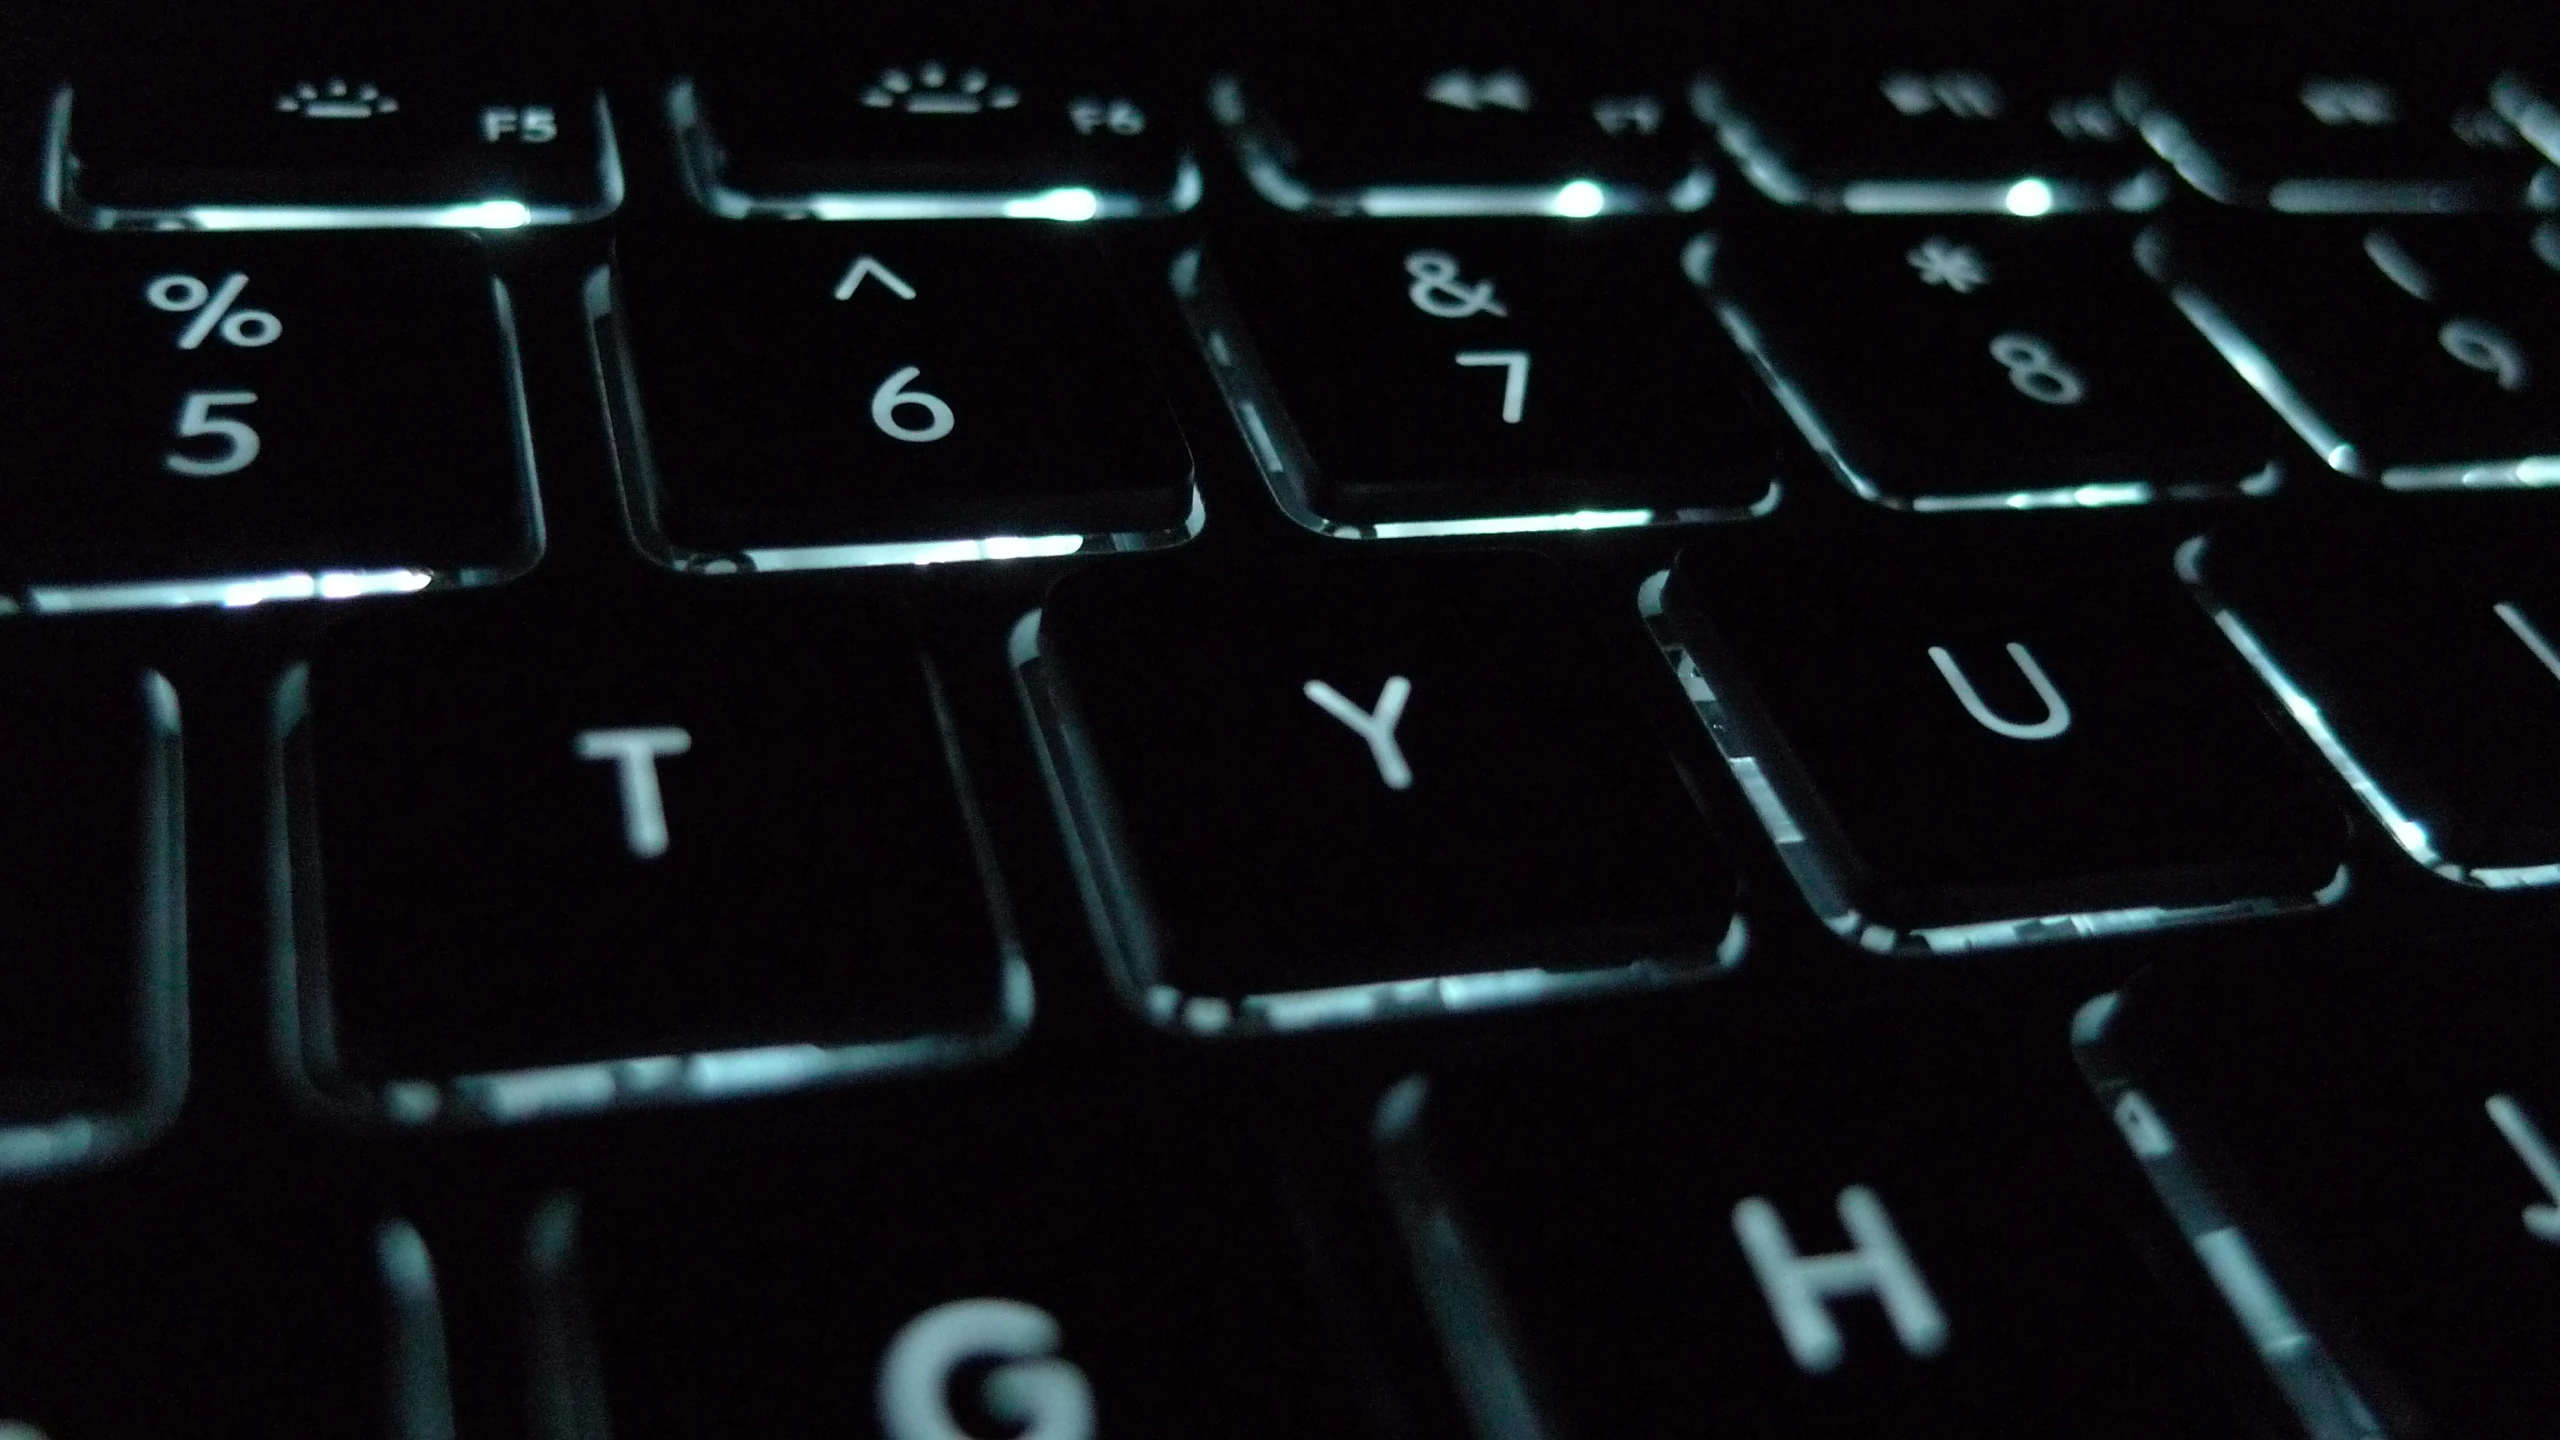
{"points": [[2057, 711]]}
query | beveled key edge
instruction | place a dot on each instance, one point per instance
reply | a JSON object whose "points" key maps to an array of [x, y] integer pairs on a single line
{"points": [[1280, 454], [637, 487], [2026, 196], [2322, 1392], [2243, 353], [2405, 830], [236, 592], [698, 154], [30, 1149], [302, 1019], [1697, 260], [61, 196], [1786, 802], [1098, 851], [1258, 148], [1479, 1340]]}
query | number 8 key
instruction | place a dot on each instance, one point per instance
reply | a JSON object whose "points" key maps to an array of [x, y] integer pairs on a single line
{"points": [[1976, 363]]}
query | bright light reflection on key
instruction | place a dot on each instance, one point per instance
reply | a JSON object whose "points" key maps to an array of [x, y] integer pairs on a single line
{"points": [[2029, 197], [1072, 203], [494, 215], [1513, 524], [1578, 199]]}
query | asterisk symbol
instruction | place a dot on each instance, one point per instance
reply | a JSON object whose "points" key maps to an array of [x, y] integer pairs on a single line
{"points": [[1941, 261]]}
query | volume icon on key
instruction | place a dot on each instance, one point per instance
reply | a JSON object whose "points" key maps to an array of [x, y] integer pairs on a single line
{"points": [[213, 309]]}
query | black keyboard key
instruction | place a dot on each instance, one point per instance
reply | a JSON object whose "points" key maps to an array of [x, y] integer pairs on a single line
{"points": [[1075, 1263], [1317, 794], [93, 1025], [790, 397], [1902, 139], [2345, 141], [209, 420], [874, 135], [151, 1311], [2365, 1155], [1970, 364], [1955, 746], [2530, 101], [330, 130], [1387, 138], [1831, 1233], [2419, 353], [1437, 378], [2418, 652], [553, 859]]}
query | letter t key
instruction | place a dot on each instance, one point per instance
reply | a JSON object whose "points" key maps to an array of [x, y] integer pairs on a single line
{"points": [[634, 754]]}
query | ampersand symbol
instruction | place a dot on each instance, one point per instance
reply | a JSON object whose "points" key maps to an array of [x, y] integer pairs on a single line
{"points": [[1437, 291]]}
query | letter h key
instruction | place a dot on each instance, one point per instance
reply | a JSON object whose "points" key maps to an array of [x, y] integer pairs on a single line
{"points": [[1800, 1288]]}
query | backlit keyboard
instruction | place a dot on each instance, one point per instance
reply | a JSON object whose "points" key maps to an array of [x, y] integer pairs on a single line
{"points": [[765, 721]]}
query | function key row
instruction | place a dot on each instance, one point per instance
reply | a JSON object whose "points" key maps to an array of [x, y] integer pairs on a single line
{"points": [[780, 134]]}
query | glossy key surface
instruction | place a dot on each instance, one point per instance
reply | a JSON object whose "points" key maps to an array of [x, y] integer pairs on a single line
{"points": [[1410, 379], [1825, 1233], [718, 837], [2415, 647], [438, 115], [2420, 353], [956, 1265], [1980, 733], [1451, 133], [2362, 1148], [228, 419], [1980, 364], [2350, 138], [813, 397], [1896, 136], [849, 127], [1297, 788]]}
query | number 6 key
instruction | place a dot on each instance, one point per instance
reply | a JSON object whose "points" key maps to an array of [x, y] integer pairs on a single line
{"points": [[790, 397], [1971, 363]]}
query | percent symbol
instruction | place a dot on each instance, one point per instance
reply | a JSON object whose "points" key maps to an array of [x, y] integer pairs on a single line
{"points": [[184, 294]]}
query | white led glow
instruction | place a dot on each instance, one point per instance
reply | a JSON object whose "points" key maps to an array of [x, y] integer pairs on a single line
{"points": [[2029, 197], [1578, 199], [1513, 524], [235, 594], [477, 215], [1072, 203], [915, 552], [493, 215]]}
